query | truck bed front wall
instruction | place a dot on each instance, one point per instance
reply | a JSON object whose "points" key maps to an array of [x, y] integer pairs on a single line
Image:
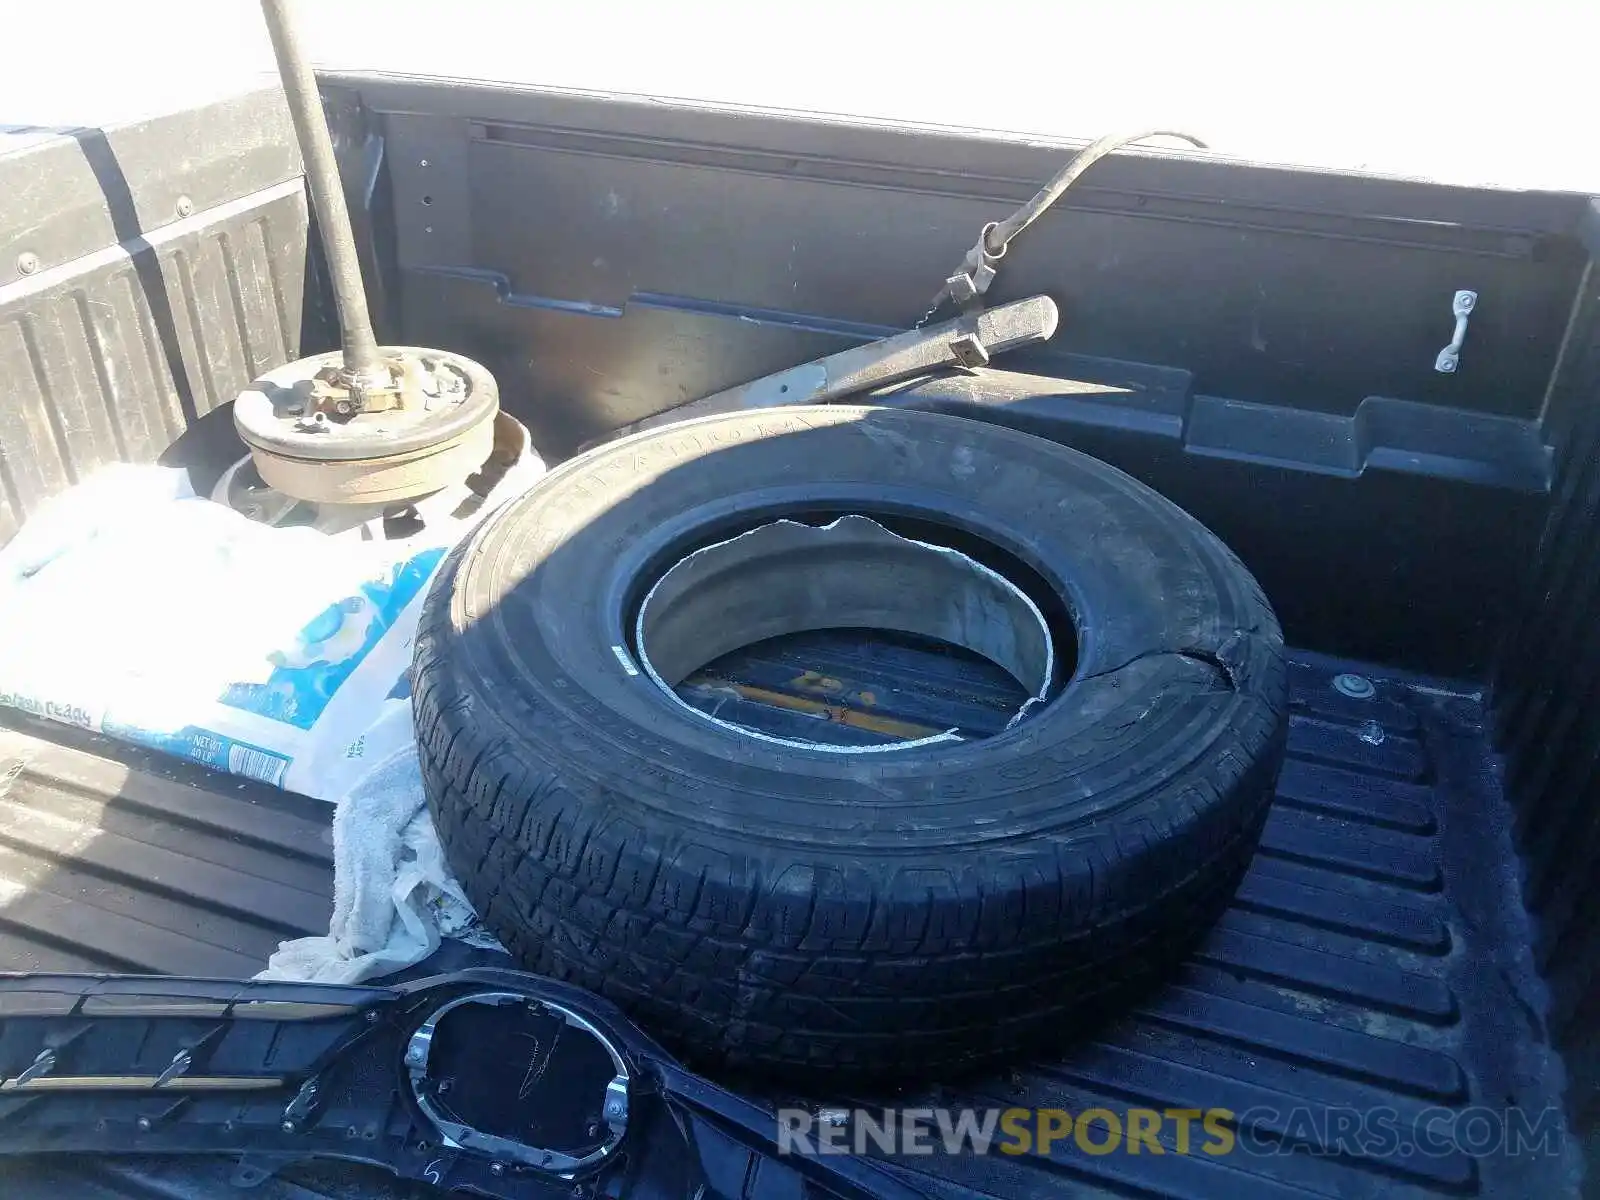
{"points": [[1257, 342]]}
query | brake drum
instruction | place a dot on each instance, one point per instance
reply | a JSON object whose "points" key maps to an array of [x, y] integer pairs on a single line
{"points": [[311, 439]]}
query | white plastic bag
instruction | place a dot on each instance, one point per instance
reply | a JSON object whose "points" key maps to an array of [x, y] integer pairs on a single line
{"points": [[131, 607]]}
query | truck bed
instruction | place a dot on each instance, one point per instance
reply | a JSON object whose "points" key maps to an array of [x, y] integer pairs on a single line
{"points": [[1376, 954]]}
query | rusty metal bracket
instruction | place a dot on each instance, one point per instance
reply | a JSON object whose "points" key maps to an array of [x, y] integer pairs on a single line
{"points": [[967, 286], [402, 383], [970, 353]]}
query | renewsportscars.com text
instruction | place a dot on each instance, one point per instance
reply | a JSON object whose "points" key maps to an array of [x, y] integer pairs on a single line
{"points": [[1378, 1131]]}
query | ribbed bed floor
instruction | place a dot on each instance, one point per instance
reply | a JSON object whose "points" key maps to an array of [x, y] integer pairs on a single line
{"points": [[1375, 956]]}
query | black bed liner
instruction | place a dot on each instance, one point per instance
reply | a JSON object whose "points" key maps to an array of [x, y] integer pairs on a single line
{"points": [[121, 860], [1375, 956]]}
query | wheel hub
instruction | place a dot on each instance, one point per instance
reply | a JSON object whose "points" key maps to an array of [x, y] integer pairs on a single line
{"points": [[316, 432], [511, 461]]}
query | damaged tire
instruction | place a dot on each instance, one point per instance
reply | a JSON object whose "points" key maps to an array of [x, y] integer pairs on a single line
{"points": [[767, 904]]}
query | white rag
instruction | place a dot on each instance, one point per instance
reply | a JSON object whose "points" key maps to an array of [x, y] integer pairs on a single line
{"points": [[393, 896]]}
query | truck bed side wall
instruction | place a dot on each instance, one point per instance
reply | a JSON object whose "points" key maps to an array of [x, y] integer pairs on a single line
{"points": [[1546, 702], [147, 272]]}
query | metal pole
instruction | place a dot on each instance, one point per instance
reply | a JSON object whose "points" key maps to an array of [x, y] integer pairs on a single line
{"points": [[361, 361]]}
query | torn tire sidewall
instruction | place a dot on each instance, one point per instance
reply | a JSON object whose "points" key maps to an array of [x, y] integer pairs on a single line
{"points": [[1175, 648]]}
